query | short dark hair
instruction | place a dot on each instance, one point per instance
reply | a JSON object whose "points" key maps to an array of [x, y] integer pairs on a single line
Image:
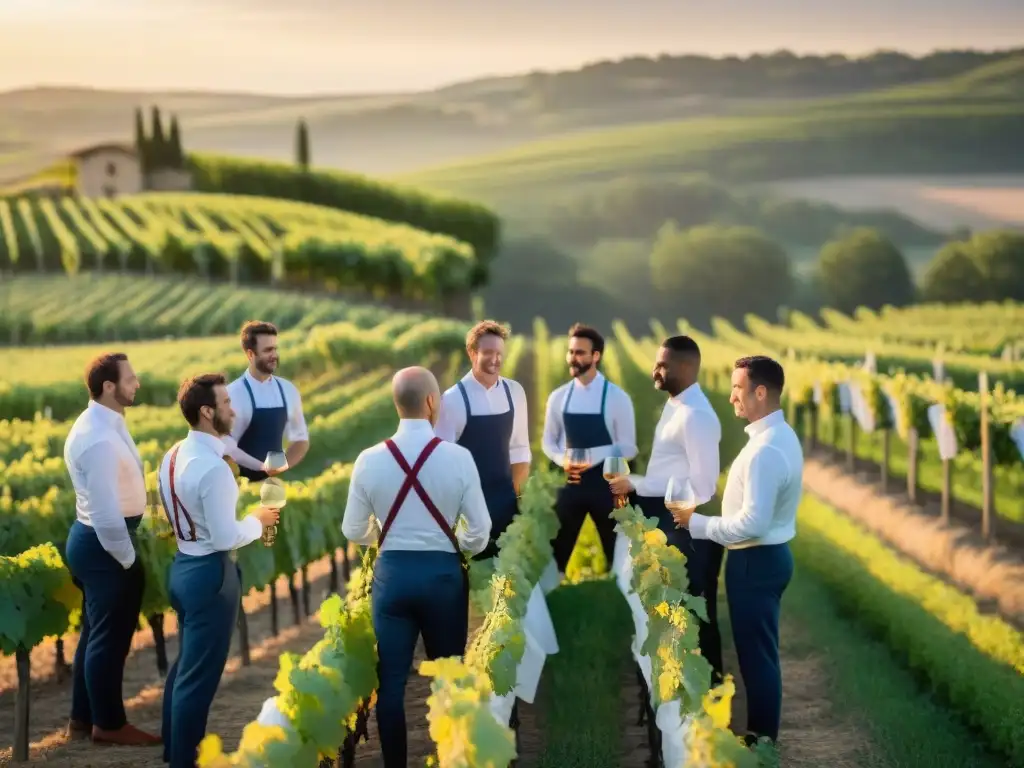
{"points": [[197, 392], [763, 371], [581, 331], [251, 329], [102, 369], [683, 346]]}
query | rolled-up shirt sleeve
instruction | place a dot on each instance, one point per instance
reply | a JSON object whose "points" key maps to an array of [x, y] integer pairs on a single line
{"points": [[243, 416], [219, 494], [624, 425], [553, 440], [763, 478], [701, 435], [473, 509], [358, 524], [519, 443], [295, 430], [105, 514]]}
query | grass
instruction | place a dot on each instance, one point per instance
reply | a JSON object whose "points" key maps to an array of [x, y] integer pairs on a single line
{"points": [[580, 698]]}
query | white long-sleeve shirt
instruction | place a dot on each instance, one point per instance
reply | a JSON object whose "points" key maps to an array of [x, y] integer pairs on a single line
{"points": [[619, 417], [449, 477], [107, 474], [763, 490], [685, 446], [267, 395], [486, 402], [206, 488]]}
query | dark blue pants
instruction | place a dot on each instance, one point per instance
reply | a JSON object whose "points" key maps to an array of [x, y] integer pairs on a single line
{"points": [[572, 503], [755, 579], [703, 566], [413, 593], [112, 598], [206, 593]]}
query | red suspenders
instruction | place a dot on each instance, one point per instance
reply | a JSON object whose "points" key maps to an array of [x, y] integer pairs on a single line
{"points": [[176, 505], [412, 483]]}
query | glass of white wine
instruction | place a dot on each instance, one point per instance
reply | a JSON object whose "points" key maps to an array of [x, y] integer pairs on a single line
{"points": [[615, 467], [576, 461], [273, 496], [276, 461], [679, 497]]}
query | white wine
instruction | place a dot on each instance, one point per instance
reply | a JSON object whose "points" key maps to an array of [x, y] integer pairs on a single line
{"points": [[272, 494], [680, 506]]}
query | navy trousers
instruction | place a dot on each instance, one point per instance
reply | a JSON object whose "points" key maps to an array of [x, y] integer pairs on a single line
{"points": [[703, 566], [755, 579], [206, 593], [413, 593], [572, 503], [112, 598]]}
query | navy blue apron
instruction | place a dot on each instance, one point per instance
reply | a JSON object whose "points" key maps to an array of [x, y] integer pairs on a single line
{"points": [[591, 494], [265, 432], [487, 438]]}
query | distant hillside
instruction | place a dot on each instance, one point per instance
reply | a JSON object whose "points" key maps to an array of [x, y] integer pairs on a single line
{"points": [[392, 133]]}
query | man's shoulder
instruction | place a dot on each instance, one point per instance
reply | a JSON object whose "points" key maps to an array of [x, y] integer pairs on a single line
{"points": [[452, 392], [560, 390], [514, 386]]}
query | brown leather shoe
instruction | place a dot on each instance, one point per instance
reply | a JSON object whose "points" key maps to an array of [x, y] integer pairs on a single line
{"points": [[127, 735], [77, 730]]}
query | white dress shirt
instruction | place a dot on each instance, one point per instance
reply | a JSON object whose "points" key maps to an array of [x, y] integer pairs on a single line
{"points": [[619, 417], [107, 474], [486, 402], [449, 477], [685, 446], [206, 488], [762, 492], [267, 395]]}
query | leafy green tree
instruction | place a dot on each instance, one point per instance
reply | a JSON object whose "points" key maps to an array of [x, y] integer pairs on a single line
{"points": [[999, 255], [953, 276], [863, 268], [720, 270]]}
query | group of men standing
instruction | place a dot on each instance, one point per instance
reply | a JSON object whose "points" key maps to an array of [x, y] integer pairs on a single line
{"points": [[461, 454]]}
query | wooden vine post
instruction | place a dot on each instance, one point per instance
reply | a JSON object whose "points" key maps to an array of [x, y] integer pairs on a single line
{"points": [[886, 453], [986, 458], [913, 440], [851, 445], [947, 489], [243, 635], [156, 625], [21, 704]]}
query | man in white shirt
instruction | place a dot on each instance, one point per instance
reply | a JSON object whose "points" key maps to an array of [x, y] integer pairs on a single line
{"points": [[486, 414], [592, 413], [110, 499], [267, 408], [199, 495], [758, 520], [685, 448], [420, 585]]}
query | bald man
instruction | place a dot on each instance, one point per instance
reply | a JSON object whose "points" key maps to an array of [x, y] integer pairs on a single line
{"points": [[419, 486]]}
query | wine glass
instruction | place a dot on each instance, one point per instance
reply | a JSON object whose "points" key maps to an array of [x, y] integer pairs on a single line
{"points": [[275, 461], [576, 461], [679, 496], [615, 467], [272, 495]]}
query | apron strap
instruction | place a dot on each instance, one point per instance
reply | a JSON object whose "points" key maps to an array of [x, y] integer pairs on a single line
{"points": [[465, 399], [412, 482]]}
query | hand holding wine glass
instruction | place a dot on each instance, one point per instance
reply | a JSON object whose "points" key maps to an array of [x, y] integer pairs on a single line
{"points": [[273, 497], [680, 500], [616, 467], [275, 463], [576, 461]]}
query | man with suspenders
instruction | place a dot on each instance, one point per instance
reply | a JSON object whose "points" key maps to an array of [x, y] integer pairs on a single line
{"points": [[486, 414], [420, 584], [267, 407], [588, 412], [199, 495]]}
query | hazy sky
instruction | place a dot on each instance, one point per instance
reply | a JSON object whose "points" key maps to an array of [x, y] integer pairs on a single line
{"points": [[302, 46]]}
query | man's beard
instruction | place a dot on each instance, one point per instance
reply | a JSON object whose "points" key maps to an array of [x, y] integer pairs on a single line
{"points": [[266, 366], [220, 425], [123, 399], [578, 369], [665, 384]]}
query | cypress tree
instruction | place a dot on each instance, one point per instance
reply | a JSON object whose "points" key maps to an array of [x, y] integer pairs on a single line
{"points": [[141, 146], [158, 144], [302, 146], [175, 154]]}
